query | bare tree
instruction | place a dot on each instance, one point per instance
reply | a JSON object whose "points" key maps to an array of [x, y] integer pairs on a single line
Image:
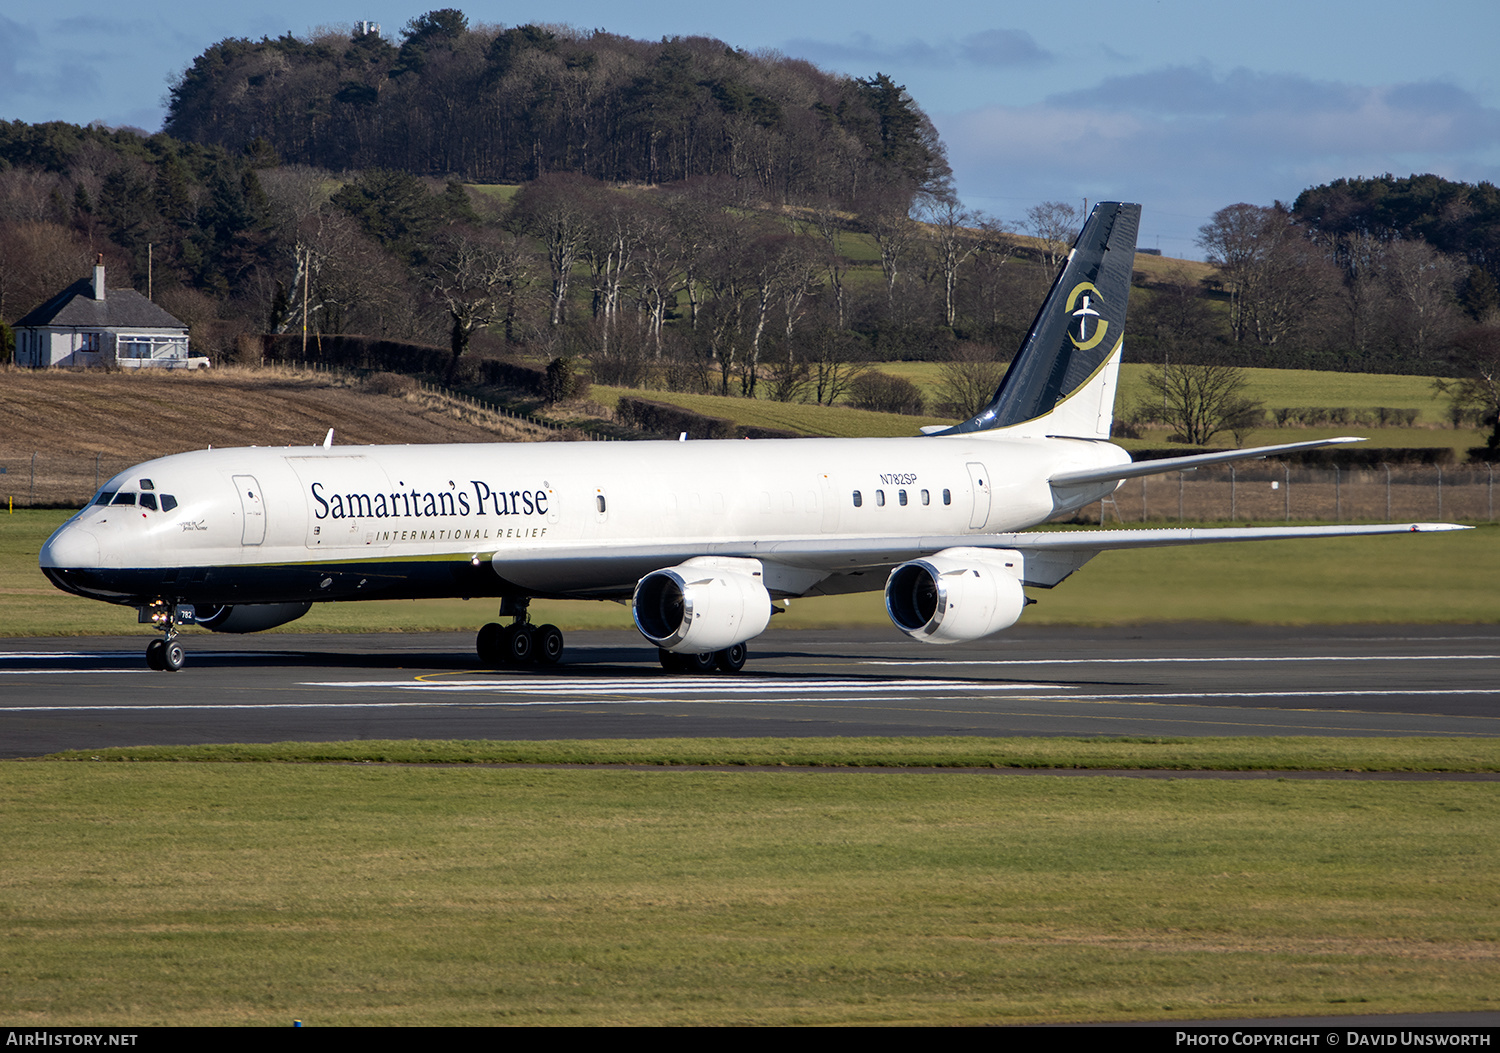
{"points": [[885, 217], [551, 209], [1276, 276], [949, 228], [476, 277], [969, 379], [1055, 225], [1198, 400]]}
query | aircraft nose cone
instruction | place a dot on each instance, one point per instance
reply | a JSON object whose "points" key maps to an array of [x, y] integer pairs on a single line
{"points": [[70, 549]]}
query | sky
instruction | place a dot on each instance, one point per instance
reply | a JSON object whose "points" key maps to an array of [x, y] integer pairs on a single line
{"points": [[1186, 106]]}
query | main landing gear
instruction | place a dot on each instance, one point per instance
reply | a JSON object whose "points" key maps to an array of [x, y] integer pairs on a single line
{"points": [[165, 655], [729, 660], [519, 643]]}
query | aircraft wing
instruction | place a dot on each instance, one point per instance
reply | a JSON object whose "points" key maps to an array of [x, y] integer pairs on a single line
{"points": [[1136, 469], [816, 565]]}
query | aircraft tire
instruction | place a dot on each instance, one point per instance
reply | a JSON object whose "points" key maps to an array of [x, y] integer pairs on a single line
{"points": [[548, 640], [732, 659], [173, 656], [154, 655], [487, 643], [699, 663], [516, 645]]}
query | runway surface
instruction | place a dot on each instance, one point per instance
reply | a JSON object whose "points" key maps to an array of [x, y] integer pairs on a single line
{"points": [[85, 693]]}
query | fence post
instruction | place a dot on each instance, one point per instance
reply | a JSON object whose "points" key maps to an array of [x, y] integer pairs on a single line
{"points": [[1286, 486], [1233, 514], [1387, 468], [1143, 499], [1440, 491], [1338, 497], [31, 498], [1180, 477]]}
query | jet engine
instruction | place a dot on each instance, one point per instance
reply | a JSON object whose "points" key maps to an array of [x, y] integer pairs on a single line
{"points": [[706, 604], [249, 617], [957, 595]]}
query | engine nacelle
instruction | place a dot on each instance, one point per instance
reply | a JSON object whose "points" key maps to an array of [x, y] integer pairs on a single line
{"points": [[249, 617], [706, 604], [957, 595]]}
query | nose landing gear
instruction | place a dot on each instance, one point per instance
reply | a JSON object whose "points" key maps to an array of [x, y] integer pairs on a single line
{"points": [[165, 655]]}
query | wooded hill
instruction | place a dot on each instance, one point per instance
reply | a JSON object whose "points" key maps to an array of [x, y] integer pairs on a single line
{"points": [[490, 104]]}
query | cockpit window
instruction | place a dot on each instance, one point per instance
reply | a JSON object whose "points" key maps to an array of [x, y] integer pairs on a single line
{"points": [[147, 484], [168, 502], [124, 498], [105, 497], [148, 501]]}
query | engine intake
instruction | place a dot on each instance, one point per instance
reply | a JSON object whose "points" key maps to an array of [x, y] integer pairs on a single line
{"points": [[706, 604], [957, 595]]}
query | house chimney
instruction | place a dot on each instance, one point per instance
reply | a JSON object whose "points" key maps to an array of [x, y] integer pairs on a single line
{"points": [[99, 277]]}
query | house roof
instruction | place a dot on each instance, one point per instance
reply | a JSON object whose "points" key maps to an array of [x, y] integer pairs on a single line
{"points": [[75, 307]]}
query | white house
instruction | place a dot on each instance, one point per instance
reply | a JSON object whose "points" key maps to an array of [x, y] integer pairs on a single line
{"points": [[82, 326]]}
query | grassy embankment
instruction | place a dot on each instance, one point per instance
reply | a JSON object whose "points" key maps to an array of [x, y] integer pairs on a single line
{"points": [[1276, 388]]}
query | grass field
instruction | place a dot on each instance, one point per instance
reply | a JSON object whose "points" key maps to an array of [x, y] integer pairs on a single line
{"points": [[1395, 579], [141, 894]]}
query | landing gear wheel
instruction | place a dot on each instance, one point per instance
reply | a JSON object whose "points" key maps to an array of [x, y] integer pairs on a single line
{"points": [[548, 641], [173, 656], [732, 659], [699, 663], [487, 643], [155, 655], [516, 645]]}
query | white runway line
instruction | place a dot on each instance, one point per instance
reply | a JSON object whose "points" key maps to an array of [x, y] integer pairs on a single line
{"points": [[1186, 661]]}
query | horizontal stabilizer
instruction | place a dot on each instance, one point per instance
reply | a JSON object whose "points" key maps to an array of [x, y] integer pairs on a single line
{"points": [[1136, 469]]}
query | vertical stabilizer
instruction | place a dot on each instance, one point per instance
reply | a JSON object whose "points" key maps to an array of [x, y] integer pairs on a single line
{"points": [[1062, 381]]}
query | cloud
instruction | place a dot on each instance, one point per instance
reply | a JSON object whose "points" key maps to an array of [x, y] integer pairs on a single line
{"points": [[1187, 139], [987, 49], [1009, 48]]}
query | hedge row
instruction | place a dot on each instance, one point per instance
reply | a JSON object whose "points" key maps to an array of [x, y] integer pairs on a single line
{"points": [[663, 418], [558, 382], [1329, 456], [1322, 416]]}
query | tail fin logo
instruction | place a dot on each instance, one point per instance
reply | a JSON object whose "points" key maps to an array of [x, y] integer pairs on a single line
{"points": [[1086, 292]]}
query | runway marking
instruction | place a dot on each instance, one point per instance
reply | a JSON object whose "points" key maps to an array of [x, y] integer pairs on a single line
{"points": [[1163, 661], [68, 672], [615, 686]]}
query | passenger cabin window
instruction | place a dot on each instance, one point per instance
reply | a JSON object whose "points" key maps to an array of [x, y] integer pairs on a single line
{"points": [[599, 501], [859, 499], [901, 498], [947, 497], [880, 498], [926, 498]]}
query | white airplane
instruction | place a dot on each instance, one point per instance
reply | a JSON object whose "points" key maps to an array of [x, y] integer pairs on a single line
{"points": [[701, 537]]}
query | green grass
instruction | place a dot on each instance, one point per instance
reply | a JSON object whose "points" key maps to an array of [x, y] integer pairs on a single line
{"points": [[1158, 754], [1397, 579], [209, 894], [835, 421]]}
